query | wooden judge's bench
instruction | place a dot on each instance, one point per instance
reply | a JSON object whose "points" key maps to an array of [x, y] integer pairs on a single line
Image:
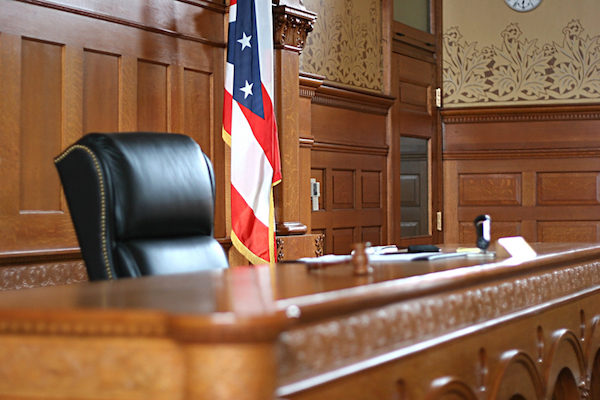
{"points": [[445, 329]]}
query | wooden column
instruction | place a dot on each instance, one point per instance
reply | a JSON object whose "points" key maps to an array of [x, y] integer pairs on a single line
{"points": [[292, 23]]}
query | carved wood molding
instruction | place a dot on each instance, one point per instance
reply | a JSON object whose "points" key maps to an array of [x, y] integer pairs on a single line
{"points": [[38, 256], [521, 154], [291, 26], [280, 243], [521, 114], [319, 242], [341, 341], [30, 269], [49, 274], [309, 84], [306, 142], [84, 323], [350, 148], [353, 99], [133, 24]]}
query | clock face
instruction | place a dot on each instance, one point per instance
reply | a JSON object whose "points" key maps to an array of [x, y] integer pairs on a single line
{"points": [[523, 5]]}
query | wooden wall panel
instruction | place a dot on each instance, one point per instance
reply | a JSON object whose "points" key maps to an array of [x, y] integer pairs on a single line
{"points": [[371, 189], [100, 92], [544, 188], [569, 231], [343, 189], [568, 188], [40, 109], [489, 189], [371, 234], [331, 123], [349, 158], [353, 197], [10, 79], [348, 143], [73, 66], [197, 94], [152, 96], [342, 239], [520, 135], [415, 95]]}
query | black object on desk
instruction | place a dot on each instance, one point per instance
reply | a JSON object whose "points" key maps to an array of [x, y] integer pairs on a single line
{"points": [[423, 248], [483, 227]]}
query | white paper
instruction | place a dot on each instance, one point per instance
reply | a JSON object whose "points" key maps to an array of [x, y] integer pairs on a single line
{"points": [[517, 247]]}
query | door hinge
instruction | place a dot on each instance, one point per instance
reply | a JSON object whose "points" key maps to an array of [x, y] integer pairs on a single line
{"points": [[438, 219], [438, 97]]}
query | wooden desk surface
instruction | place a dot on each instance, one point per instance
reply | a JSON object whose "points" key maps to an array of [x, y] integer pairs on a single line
{"points": [[291, 332]]}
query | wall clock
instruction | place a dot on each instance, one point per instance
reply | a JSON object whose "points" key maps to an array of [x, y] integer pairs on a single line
{"points": [[522, 5]]}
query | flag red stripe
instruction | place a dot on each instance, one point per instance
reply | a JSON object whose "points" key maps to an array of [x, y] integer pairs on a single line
{"points": [[227, 104], [253, 233]]}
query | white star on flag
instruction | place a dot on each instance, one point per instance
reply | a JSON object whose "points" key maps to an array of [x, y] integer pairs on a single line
{"points": [[247, 89], [245, 41]]}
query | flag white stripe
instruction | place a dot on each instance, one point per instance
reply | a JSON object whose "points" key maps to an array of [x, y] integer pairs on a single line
{"points": [[232, 13], [253, 183], [264, 28], [229, 68]]}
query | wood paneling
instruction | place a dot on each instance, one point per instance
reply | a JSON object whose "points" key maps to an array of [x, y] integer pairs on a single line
{"points": [[352, 198], [489, 189], [100, 92], [527, 128], [568, 188], [41, 118], [73, 66], [342, 189], [342, 238], [371, 234], [371, 189], [293, 247], [568, 231], [349, 159], [330, 124], [543, 187], [197, 96], [152, 96]]}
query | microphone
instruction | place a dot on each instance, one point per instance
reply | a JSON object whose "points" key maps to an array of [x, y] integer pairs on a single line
{"points": [[482, 228]]}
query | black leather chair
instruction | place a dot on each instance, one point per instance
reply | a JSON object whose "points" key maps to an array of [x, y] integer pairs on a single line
{"points": [[141, 203]]}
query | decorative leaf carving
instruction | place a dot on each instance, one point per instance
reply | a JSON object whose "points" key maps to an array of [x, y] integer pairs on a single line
{"points": [[519, 70], [345, 44]]}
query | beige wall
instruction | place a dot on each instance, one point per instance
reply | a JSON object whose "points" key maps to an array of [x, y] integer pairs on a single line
{"points": [[345, 45], [496, 56]]}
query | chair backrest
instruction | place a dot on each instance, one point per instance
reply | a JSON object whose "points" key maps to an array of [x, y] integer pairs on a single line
{"points": [[141, 203]]}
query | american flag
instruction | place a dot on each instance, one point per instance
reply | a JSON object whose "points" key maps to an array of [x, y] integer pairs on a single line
{"points": [[250, 130]]}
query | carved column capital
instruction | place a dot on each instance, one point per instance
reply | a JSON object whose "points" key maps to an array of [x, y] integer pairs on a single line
{"points": [[291, 24]]}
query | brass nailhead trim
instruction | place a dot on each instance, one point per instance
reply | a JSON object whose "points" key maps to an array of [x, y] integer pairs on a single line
{"points": [[102, 200]]}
